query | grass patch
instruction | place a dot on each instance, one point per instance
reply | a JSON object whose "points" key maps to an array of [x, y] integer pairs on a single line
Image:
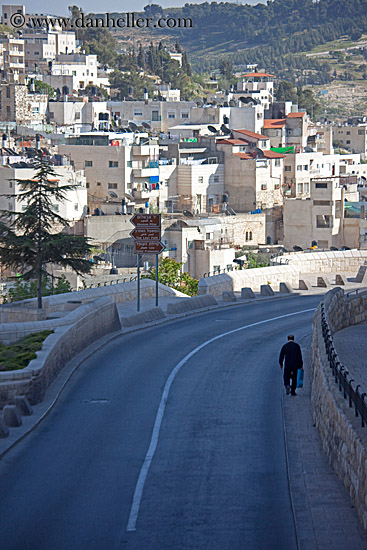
{"points": [[19, 354]]}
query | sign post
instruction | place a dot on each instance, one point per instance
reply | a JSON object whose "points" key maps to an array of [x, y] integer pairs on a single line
{"points": [[147, 235]]}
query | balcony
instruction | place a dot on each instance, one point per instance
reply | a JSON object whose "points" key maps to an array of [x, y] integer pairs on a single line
{"points": [[145, 169]]}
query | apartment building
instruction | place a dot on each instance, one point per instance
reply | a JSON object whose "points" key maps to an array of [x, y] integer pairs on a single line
{"points": [[253, 175], [117, 166], [72, 208], [79, 115], [13, 62], [75, 72], [353, 138], [300, 168], [258, 86], [44, 45], [160, 115], [320, 217]]}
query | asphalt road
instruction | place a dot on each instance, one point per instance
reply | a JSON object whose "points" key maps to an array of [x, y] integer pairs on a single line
{"points": [[217, 478]]}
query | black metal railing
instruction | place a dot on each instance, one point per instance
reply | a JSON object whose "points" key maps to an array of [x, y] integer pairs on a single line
{"points": [[355, 395]]}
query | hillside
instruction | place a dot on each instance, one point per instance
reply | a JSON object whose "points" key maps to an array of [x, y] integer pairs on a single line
{"points": [[268, 34]]}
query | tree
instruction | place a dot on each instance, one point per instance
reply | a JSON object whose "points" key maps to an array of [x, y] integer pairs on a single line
{"points": [[169, 273], [226, 68], [28, 238], [42, 88]]}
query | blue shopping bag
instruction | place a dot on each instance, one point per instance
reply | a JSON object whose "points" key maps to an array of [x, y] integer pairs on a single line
{"points": [[300, 378]]}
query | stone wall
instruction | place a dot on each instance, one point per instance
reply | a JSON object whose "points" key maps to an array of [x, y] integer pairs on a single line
{"points": [[252, 278], [324, 262], [93, 321], [343, 438]]}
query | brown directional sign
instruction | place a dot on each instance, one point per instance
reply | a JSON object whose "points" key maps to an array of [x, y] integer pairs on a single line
{"points": [[146, 220], [146, 233], [149, 247]]}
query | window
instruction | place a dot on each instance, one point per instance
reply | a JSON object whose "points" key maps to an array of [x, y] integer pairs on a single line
{"points": [[321, 185], [88, 163], [348, 133], [76, 207], [207, 236], [155, 116], [324, 221], [10, 184], [264, 187], [305, 167], [361, 132], [299, 168], [55, 207], [321, 203], [51, 115], [184, 114], [248, 235], [216, 268], [348, 141], [87, 185], [112, 186], [216, 179], [8, 110], [288, 168], [8, 92], [277, 162], [98, 184], [138, 113], [299, 188], [200, 179], [171, 114], [306, 187], [77, 116], [113, 164]]}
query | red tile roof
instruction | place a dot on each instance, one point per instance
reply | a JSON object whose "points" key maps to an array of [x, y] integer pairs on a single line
{"points": [[231, 142], [244, 156], [258, 74], [274, 123], [250, 134], [273, 155], [296, 115]]}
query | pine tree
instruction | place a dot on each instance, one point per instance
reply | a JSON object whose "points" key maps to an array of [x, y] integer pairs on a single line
{"points": [[28, 240]]}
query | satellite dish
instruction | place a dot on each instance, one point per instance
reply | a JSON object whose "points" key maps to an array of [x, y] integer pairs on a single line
{"points": [[187, 213], [133, 126], [113, 194], [248, 100], [212, 129], [308, 150], [225, 130], [334, 248], [146, 125], [297, 248], [259, 153]]}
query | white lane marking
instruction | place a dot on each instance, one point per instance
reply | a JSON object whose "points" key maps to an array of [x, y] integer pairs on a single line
{"points": [[131, 525]]}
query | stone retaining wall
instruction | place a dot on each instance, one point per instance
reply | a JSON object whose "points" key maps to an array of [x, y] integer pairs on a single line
{"points": [[343, 438], [93, 321]]}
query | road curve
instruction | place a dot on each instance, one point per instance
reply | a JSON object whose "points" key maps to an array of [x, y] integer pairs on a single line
{"points": [[217, 478]]}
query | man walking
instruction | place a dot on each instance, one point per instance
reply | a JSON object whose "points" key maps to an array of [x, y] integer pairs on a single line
{"points": [[291, 355]]}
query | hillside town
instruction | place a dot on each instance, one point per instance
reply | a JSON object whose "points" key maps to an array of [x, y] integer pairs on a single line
{"points": [[237, 171]]}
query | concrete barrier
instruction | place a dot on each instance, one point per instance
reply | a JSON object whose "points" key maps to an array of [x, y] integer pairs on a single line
{"points": [[188, 304], [247, 293], [285, 287], [23, 405], [321, 282], [361, 276], [11, 416], [228, 296], [143, 317], [266, 290]]}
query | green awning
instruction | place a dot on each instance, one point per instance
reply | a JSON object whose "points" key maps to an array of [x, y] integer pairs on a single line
{"points": [[283, 150]]}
